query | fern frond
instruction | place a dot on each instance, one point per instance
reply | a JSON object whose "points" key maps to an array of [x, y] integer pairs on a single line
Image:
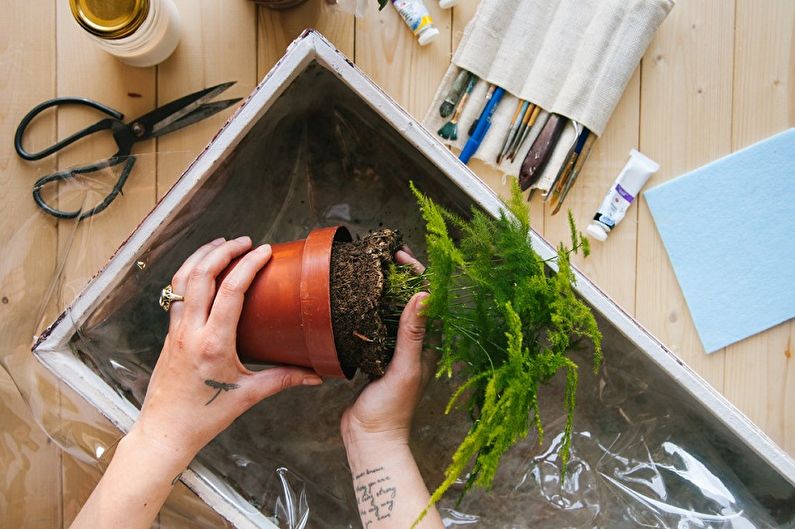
{"points": [[506, 327]]}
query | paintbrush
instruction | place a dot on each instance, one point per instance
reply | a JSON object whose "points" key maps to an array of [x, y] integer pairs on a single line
{"points": [[528, 113], [449, 130], [474, 124], [541, 151], [454, 95], [516, 121], [568, 161], [575, 171], [553, 193], [532, 118]]}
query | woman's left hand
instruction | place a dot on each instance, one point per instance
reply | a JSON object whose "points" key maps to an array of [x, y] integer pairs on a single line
{"points": [[199, 386]]}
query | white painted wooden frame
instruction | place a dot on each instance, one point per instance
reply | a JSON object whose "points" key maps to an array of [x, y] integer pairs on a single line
{"points": [[53, 348]]}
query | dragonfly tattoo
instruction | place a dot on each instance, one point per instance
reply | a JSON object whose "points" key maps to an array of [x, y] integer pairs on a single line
{"points": [[220, 386]]}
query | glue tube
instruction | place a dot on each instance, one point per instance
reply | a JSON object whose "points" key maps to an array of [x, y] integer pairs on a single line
{"points": [[416, 16], [630, 181]]}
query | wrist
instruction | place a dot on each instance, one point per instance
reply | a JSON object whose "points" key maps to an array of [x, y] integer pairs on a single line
{"points": [[357, 439], [169, 452]]}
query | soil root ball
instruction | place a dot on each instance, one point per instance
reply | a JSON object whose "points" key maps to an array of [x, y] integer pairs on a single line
{"points": [[357, 286]]}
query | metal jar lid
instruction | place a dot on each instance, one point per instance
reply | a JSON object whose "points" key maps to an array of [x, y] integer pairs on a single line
{"points": [[110, 19]]}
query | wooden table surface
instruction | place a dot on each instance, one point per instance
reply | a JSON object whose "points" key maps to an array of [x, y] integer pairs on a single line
{"points": [[719, 75]]}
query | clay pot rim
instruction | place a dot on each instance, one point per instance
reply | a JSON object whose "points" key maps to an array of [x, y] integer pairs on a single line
{"points": [[315, 296]]}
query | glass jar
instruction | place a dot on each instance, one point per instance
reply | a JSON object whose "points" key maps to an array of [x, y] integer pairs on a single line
{"points": [[137, 32]]}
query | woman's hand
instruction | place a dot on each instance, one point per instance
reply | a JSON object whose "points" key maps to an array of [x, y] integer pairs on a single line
{"points": [[197, 389], [199, 386], [389, 488], [384, 409]]}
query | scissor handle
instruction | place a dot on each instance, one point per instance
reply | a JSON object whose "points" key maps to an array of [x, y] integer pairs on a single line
{"points": [[80, 214], [103, 124]]}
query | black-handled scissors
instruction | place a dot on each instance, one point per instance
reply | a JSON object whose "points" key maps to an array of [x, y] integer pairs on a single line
{"points": [[168, 118]]}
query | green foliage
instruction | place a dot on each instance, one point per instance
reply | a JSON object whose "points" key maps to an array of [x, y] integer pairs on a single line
{"points": [[506, 326]]}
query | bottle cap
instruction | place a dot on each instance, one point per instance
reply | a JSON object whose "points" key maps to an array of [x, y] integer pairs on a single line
{"points": [[447, 4], [596, 231], [110, 20], [427, 35]]}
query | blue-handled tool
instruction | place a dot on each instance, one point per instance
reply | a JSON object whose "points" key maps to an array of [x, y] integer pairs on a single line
{"points": [[484, 123]]}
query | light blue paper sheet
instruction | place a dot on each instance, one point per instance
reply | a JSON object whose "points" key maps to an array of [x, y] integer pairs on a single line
{"points": [[729, 229]]}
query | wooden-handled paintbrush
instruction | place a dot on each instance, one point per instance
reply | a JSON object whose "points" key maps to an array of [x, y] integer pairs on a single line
{"points": [[516, 122], [524, 131]]}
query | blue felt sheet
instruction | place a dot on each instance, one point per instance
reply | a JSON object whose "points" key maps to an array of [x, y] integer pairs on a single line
{"points": [[729, 229]]}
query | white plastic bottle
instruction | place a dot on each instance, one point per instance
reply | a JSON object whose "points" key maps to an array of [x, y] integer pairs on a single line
{"points": [[137, 32], [620, 196], [416, 16]]}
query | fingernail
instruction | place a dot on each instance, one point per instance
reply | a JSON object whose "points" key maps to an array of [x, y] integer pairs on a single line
{"points": [[422, 301], [265, 248], [243, 239], [312, 381], [218, 241], [408, 251]]}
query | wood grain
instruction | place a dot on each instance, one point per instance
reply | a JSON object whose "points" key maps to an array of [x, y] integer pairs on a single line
{"points": [[760, 371], [29, 463], [86, 246], [276, 29], [388, 52], [609, 154], [218, 45], [686, 89]]}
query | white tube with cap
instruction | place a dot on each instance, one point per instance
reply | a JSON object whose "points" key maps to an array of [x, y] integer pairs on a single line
{"points": [[416, 16], [630, 181]]}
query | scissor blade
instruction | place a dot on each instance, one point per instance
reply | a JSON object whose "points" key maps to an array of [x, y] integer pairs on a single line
{"points": [[204, 111], [164, 116]]}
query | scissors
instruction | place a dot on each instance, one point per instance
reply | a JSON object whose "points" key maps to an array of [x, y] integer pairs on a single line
{"points": [[168, 118]]}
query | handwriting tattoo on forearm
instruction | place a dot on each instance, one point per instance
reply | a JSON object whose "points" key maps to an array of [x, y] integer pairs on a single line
{"points": [[220, 386], [375, 495]]}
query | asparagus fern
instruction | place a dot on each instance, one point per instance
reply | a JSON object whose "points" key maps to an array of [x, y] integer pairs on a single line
{"points": [[505, 324]]}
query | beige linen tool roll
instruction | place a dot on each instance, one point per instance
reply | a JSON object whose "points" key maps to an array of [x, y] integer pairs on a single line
{"points": [[570, 57]]}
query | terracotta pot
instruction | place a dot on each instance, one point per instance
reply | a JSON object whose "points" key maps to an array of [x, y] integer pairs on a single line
{"points": [[286, 315]]}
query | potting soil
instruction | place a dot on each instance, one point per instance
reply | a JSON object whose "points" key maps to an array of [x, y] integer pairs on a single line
{"points": [[357, 285]]}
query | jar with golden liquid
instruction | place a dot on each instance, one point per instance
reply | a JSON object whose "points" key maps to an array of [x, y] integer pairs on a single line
{"points": [[137, 32]]}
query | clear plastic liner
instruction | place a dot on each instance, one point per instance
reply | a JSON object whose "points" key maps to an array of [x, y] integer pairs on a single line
{"points": [[643, 453]]}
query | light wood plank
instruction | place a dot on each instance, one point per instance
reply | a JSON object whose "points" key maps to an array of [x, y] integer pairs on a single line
{"points": [[129, 90], [461, 16], [389, 53], [278, 28], [79, 480], [218, 45], [29, 463], [611, 264], [760, 370], [686, 122], [85, 70]]}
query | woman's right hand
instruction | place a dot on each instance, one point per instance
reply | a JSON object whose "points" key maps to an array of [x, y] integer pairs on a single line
{"points": [[384, 409]]}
